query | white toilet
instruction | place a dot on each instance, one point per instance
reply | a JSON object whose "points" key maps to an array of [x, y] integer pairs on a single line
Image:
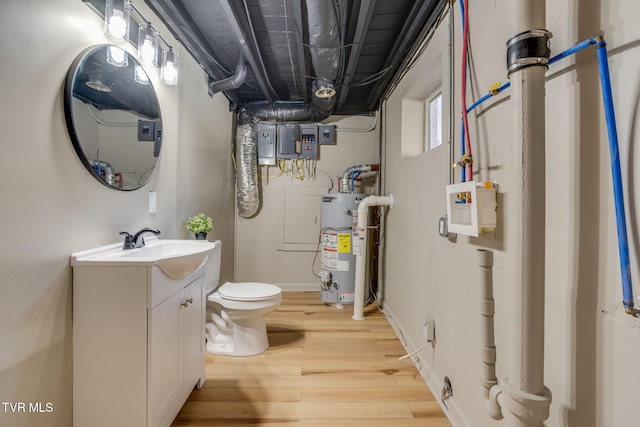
{"points": [[235, 313]]}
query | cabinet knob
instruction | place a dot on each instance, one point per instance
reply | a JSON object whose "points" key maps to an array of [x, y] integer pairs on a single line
{"points": [[186, 302]]}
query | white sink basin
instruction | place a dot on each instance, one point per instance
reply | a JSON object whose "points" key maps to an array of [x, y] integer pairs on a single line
{"points": [[176, 258]]}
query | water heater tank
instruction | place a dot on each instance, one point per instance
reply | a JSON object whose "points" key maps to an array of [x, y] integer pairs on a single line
{"points": [[337, 262]]}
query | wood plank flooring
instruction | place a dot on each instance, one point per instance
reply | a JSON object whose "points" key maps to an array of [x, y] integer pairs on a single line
{"points": [[322, 368]]}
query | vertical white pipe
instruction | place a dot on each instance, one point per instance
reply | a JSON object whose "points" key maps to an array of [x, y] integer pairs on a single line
{"points": [[487, 334], [525, 397], [361, 255]]}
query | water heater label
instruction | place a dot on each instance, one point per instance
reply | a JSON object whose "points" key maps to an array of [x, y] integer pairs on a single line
{"points": [[344, 243], [332, 247]]}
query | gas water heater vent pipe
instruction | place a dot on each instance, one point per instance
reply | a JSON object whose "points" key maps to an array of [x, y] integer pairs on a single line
{"points": [[344, 184], [360, 249]]}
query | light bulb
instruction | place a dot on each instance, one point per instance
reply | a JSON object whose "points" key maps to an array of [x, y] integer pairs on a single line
{"points": [[170, 65], [170, 72], [147, 44], [117, 57], [141, 77], [117, 25], [147, 50]]}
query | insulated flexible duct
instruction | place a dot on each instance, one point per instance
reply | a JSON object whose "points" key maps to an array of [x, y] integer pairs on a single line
{"points": [[248, 195], [286, 112], [326, 55]]}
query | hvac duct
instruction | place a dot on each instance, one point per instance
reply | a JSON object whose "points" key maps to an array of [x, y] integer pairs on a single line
{"points": [[285, 112], [232, 82], [248, 196], [326, 55]]}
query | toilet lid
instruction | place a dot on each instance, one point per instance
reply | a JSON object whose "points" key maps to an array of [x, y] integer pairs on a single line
{"points": [[248, 291]]}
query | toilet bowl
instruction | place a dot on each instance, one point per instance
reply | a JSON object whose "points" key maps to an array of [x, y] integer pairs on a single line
{"points": [[235, 318]]}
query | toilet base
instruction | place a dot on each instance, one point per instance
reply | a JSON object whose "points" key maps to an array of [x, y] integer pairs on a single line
{"points": [[247, 338]]}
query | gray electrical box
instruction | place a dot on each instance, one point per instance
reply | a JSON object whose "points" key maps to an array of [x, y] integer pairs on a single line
{"points": [[326, 134], [266, 144], [309, 141], [287, 137]]}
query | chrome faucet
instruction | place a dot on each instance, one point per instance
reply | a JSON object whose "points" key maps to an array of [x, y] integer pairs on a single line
{"points": [[137, 240]]}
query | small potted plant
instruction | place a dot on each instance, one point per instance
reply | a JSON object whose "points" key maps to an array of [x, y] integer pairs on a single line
{"points": [[200, 225]]}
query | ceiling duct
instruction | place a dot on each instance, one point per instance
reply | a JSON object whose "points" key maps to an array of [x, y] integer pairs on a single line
{"points": [[324, 46], [232, 82], [286, 112]]}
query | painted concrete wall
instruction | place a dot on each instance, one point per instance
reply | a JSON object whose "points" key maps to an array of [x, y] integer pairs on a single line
{"points": [[291, 208], [51, 207], [591, 346]]}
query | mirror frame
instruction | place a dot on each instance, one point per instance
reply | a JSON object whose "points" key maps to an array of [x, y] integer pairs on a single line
{"points": [[69, 86]]}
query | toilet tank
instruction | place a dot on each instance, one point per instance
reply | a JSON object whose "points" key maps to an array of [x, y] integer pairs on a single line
{"points": [[212, 274]]}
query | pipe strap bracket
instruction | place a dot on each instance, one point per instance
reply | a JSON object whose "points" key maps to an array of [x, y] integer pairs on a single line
{"points": [[528, 49]]}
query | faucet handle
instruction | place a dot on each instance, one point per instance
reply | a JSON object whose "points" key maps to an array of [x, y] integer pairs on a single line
{"points": [[128, 240]]}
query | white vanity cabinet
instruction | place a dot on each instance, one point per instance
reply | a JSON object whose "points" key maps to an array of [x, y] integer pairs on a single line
{"points": [[138, 344]]}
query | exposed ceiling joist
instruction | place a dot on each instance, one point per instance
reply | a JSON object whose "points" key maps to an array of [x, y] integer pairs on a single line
{"points": [[364, 18]]}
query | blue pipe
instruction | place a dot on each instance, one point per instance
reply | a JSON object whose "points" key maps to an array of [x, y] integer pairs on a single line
{"points": [[618, 194], [576, 48]]}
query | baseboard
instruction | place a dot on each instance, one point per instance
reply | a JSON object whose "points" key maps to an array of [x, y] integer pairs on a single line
{"points": [[452, 411]]}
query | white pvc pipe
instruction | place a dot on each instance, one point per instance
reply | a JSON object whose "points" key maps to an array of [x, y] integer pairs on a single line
{"points": [[524, 398], [361, 249], [487, 334]]}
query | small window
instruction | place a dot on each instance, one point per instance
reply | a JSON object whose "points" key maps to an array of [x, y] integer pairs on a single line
{"points": [[433, 120]]}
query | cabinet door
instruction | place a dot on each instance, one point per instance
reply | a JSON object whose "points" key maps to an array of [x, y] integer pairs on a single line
{"points": [[194, 345], [165, 356]]}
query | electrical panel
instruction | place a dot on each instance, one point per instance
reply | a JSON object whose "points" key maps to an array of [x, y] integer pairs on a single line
{"points": [[266, 144], [287, 137], [308, 141], [326, 134], [291, 141]]}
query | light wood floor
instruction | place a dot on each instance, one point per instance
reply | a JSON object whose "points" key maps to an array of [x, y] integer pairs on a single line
{"points": [[322, 369]]}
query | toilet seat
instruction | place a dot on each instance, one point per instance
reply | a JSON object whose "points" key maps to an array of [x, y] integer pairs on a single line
{"points": [[248, 291]]}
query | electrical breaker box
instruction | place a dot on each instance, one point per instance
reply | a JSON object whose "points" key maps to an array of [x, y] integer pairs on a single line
{"points": [[287, 137], [326, 134], [266, 144], [308, 141], [471, 207]]}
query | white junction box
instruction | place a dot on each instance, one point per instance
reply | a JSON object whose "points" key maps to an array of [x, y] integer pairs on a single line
{"points": [[471, 207]]}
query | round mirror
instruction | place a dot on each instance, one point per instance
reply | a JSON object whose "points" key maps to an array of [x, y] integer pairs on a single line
{"points": [[113, 117]]}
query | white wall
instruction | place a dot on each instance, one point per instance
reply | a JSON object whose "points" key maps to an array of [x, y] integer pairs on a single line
{"points": [[591, 346], [52, 207], [259, 240]]}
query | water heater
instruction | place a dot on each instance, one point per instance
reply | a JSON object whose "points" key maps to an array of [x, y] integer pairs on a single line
{"points": [[339, 217]]}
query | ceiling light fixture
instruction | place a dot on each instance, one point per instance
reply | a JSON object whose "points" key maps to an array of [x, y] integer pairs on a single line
{"points": [[116, 26], [147, 44], [170, 64], [116, 20]]}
